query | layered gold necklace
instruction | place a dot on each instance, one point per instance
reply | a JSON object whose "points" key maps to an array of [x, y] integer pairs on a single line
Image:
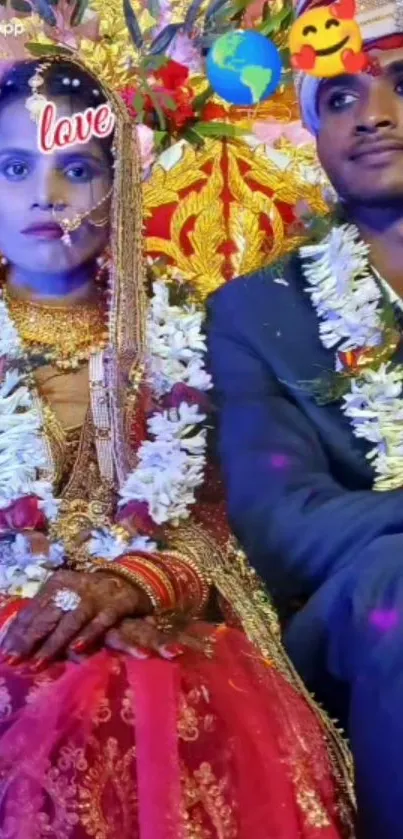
{"points": [[62, 336]]}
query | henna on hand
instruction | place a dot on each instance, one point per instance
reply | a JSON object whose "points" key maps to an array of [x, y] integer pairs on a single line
{"points": [[42, 629], [142, 637]]}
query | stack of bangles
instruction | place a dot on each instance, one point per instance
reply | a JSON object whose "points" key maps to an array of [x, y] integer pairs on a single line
{"points": [[171, 580]]}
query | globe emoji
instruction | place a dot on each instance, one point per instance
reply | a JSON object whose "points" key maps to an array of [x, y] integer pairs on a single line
{"points": [[243, 67]]}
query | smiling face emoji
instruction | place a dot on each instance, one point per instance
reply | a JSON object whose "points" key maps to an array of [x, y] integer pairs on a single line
{"points": [[324, 44]]}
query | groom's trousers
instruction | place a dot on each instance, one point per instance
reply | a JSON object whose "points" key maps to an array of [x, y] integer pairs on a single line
{"points": [[349, 648]]}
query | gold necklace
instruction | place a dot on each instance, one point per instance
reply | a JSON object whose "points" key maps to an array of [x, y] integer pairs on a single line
{"points": [[60, 335]]}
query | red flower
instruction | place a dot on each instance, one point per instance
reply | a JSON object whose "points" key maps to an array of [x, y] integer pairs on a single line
{"points": [[211, 111], [183, 393], [23, 514], [172, 75], [170, 83], [184, 109]]}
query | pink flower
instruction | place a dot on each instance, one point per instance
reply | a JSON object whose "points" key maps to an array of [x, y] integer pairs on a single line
{"points": [[136, 518], [147, 150], [183, 393], [272, 131], [23, 514], [183, 50]]}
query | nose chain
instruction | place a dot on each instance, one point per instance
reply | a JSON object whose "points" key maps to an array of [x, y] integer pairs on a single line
{"points": [[68, 225]]}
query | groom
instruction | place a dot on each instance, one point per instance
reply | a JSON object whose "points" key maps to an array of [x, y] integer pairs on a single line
{"points": [[321, 521]]}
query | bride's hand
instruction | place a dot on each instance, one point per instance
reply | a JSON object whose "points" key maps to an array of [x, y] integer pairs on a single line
{"points": [[43, 630], [142, 638]]}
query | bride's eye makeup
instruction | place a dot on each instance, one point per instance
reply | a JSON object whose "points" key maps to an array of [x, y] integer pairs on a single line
{"points": [[15, 167], [81, 169]]}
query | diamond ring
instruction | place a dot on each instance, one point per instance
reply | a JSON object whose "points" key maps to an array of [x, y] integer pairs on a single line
{"points": [[66, 599]]}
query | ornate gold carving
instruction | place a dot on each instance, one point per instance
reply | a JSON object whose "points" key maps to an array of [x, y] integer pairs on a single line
{"points": [[165, 185], [229, 222], [201, 211]]}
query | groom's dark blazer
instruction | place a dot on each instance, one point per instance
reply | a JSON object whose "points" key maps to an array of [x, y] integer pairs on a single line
{"points": [[298, 481]]}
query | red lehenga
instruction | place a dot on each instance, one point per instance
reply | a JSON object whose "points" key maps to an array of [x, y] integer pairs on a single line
{"points": [[227, 745], [206, 748]]}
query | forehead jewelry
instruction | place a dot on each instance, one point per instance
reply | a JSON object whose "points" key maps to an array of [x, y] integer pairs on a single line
{"points": [[36, 102]]}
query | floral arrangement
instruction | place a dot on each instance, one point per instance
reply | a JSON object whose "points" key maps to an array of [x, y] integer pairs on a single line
{"points": [[161, 489], [152, 54], [357, 319]]}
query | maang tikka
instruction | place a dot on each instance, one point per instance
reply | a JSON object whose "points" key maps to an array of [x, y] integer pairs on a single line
{"points": [[37, 101]]}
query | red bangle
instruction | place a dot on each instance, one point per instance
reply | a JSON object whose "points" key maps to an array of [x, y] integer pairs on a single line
{"points": [[191, 591], [153, 575]]}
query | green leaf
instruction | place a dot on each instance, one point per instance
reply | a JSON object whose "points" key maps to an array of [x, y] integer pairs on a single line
{"points": [[159, 139], [138, 102], [214, 8], [79, 11], [193, 137], [152, 63], [20, 6], [275, 23], [164, 38], [191, 15], [154, 9], [132, 24], [44, 10], [157, 106], [39, 50], [167, 101], [218, 129], [388, 316], [285, 57]]}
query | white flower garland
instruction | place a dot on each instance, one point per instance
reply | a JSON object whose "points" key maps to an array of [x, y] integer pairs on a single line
{"points": [[22, 450], [170, 464], [348, 302]]}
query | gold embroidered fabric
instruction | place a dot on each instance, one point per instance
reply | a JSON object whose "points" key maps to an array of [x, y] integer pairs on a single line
{"points": [[89, 789]]}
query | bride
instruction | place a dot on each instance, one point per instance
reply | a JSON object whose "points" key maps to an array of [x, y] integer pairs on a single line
{"points": [[143, 691]]}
